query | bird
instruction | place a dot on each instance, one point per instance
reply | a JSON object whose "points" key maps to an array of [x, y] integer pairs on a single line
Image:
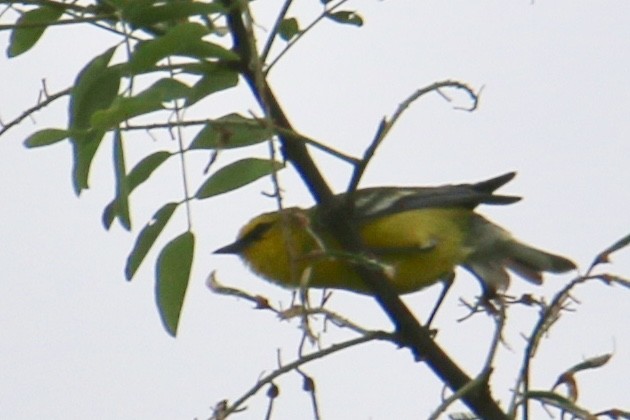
{"points": [[417, 235]]}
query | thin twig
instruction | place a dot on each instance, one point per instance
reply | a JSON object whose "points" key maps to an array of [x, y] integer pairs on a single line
{"points": [[48, 3], [338, 320], [72, 21], [309, 386], [457, 395], [258, 301], [486, 370], [77, 13], [49, 99], [300, 137], [386, 125], [301, 34], [182, 158], [549, 315], [275, 29], [283, 131], [293, 135], [263, 303], [375, 335]]}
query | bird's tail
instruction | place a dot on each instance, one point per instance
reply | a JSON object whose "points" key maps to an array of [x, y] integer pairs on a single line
{"points": [[530, 263], [494, 250]]}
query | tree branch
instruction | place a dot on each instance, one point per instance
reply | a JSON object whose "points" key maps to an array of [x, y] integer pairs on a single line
{"points": [[386, 125], [49, 99], [376, 335]]}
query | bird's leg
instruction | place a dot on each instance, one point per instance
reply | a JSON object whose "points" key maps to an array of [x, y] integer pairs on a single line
{"points": [[447, 282]]}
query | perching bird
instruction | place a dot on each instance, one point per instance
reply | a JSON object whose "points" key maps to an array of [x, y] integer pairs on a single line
{"points": [[417, 234]]}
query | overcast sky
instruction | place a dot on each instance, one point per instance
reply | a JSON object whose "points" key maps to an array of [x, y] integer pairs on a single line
{"points": [[81, 342]]}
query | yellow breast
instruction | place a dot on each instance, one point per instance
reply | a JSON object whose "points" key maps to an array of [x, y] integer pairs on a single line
{"points": [[417, 247]]}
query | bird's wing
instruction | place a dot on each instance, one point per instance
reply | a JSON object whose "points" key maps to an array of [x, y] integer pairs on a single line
{"points": [[381, 201]]}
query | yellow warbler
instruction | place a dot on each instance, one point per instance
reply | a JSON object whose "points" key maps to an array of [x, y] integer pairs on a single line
{"points": [[417, 234]]}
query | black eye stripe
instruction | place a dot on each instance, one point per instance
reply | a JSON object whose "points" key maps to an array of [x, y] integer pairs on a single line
{"points": [[256, 233]]}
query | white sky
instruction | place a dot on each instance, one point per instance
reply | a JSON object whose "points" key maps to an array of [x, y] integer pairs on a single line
{"points": [[80, 342]]}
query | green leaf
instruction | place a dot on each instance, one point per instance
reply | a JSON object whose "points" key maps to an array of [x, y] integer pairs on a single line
{"points": [[145, 168], [172, 275], [346, 17], [149, 100], [603, 256], [230, 131], [145, 15], [591, 363], [182, 40], [288, 28], [217, 80], [30, 27], [137, 176], [147, 238], [46, 137], [236, 175], [122, 189], [549, 397], [109, 214], [84, 147], [95, 88]]}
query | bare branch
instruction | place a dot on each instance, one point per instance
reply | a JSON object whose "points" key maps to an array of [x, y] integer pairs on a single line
{"points": [[484, 375], [549, 315], [47, 101], [299, 36], [386, 125], [375, 335], [275, 29]]}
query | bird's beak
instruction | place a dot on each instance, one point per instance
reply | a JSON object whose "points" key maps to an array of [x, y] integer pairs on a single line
{"points": [[239, 246], [233, 248]]}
